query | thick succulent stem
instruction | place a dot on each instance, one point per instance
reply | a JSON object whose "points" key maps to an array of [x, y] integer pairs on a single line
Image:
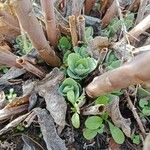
{"points": [[135, 72], [49, 16], [28, 21]]}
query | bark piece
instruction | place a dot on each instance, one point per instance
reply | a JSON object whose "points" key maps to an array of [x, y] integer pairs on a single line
{"points": [[49, 17], [118, 120], [55, 103], [52, 140], [30, 24], [135, 72]]}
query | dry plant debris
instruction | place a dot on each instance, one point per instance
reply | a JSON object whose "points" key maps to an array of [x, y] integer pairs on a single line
{"points": [[74, 74]]}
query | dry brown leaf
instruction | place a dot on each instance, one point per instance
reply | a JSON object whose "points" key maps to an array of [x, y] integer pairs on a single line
{"points": [[118, 120], [55, 103]]}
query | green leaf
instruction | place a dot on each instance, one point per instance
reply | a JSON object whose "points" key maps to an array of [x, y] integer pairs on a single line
{"points": [[143, 92], [75, 120], [143, 102], [71, 96], [114, 64], [104, 116], [93, 122], [146, 111], [82, 51], [117, 92], [101, 130], [116, 133], [78, 67], [70, 85], [64, 43], [65, 58], [136, 139], [89, 134], [88, 32], [102, 100]]}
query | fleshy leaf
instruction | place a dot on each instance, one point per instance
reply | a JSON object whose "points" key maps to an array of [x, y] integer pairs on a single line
{"points": [[75, 120], [143, 102], [89, 134], [116, 133], [93, 122], [71, 96], [102, 100]]}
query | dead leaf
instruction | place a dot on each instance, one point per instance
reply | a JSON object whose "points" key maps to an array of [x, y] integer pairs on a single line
{"points": [[118, 120], [55, 102], [6, 113], [51, 138]]}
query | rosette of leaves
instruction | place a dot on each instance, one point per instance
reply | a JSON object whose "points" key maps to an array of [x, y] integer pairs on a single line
{"points": [[82, 51], [79, 67], [70, 89], [64, 43]]}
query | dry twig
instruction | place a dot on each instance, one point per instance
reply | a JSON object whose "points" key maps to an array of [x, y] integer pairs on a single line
{"points": [[28, 21], [49, 16], [141, 11], [73, 30], [136, 116]]}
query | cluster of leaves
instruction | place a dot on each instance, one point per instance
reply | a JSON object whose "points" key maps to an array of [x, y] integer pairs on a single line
{"points": [[116, 24], [77, 63], [72, 90], [23, 44], [96, 124], [112, 61]]}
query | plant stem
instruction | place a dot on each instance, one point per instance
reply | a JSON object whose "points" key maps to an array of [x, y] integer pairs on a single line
{"points": [[49, 16], [135, 72], [73, 30], [28, 21]]}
